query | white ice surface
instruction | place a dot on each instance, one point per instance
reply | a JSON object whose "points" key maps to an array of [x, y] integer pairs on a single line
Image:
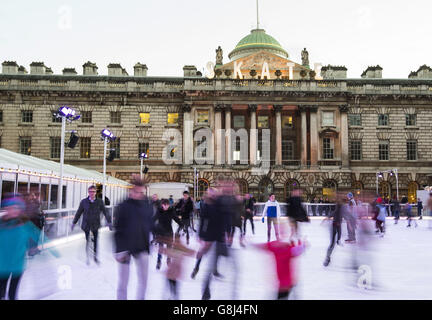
{"points": [[401, 267]]}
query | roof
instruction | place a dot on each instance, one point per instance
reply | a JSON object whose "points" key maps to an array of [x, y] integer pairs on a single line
{"points": [[13, 162], [258, 39]]}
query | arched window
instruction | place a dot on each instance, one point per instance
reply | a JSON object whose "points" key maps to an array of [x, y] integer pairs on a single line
{"points": [[412, 191], [242, 186], [357, 188], [329, 189], [203, 186], [385, 190], [265, 188], [291, 185]]}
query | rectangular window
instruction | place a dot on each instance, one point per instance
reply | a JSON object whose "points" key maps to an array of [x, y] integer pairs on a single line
{"points": [[172, 118], [25, 145], [144, 147], [239, 121], [115, 116], [200, 147], [287, 150], [86, 117], [263, 121], [411, 150], [85, 146], [1, 115], [383, 119], [56, 119], [55, 143], [144, 117], [116, 145], [355, 119], [287, 122], [26, 116], [410, 119], [328, 118], [328, 148], [384, 149], [203, 116], [356, 150]]}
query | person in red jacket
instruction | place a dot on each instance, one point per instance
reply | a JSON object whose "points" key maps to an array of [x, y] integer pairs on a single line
{"points": [[283, 253]]}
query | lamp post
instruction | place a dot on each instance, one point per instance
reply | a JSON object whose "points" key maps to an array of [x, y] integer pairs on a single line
{"points": [[106, 136], [392, 172], [68, 114]]}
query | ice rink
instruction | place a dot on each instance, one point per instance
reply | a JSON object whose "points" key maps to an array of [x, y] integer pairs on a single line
{"points": [[400, 267]]}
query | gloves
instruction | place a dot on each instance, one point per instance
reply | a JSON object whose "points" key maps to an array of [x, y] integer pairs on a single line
{"points": [[110, 226], [73, 226], [262, 219]]}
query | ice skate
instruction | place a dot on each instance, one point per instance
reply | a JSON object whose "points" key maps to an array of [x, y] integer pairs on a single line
{"points": [[194, 273], [326, 261]]}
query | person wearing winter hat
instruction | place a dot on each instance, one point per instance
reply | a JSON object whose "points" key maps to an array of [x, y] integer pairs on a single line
{"points": [[380, 220]]}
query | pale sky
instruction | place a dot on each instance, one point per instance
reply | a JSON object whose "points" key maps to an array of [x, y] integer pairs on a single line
{"points": [[168, 34]]}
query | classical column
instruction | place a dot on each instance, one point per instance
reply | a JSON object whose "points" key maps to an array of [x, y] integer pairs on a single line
{"points": [[218, 134], [343, 109], [303, 157], [314, 136], [229, 151], [188, 149], [278, 111], [253, 135]]}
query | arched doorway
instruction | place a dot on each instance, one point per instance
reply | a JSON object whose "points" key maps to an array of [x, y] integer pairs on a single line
{"points": [[329, 189], [412, 191], [242, 186], [265, 188], [385, 190], [203, 186], [291, 185], [357, 188]]}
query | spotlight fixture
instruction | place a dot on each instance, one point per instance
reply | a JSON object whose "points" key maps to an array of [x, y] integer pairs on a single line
{"points": [[143, 155], [105, 133], [73, 140], [68, 113]]}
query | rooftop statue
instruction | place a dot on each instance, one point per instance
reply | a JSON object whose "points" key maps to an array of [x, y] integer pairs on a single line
{"points": [[219, 55], [305, 57]]}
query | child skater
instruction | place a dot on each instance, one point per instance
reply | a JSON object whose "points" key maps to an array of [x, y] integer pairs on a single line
{"points": [[283, 253]]}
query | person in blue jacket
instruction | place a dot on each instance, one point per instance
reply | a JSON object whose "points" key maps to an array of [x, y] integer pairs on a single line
{"points": [[272, 212], [16, 231]]}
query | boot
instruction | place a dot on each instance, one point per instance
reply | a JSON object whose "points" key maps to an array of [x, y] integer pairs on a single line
{"points": [[194, 272], [326, 261]]}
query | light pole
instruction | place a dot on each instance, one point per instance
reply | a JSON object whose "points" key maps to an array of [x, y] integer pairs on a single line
{"points": [[106, 136], [142, 156], [68, 114], [392, 172]]}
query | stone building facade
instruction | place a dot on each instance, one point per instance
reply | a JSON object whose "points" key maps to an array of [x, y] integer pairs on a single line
{"points": [[327, 132]]}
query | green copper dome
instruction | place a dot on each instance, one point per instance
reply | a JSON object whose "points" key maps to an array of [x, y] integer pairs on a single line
{"points": [[257, 40]]}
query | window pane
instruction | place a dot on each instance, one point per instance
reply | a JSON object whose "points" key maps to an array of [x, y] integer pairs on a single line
{"points": [[410, 119], [27, 116], [85, 144], [383, 120], [144, 117], [383, 150], [86, 116], [25, 145], [412, 150], [263, 122], [287, 122], [355, 119], [115, 117], [144, 147], [172, 118], [287, 150], [327, 148], [202, 116], [327, 118], [55, 147], [356, 150], [1, 115], [116, 145], [239, 121]]}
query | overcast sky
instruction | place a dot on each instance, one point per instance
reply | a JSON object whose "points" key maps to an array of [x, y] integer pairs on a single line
{"points": [[168, 34]]}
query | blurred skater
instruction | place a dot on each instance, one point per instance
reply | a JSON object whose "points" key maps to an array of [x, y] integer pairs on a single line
{"points": [[295, 212], [380, 219], [163, 228], [283, 253], [272, 212], [350, 216], [395, 209], [336, 229], [249, 203], [408, 211], [15, 232], [420, 208], [36, 216], [236, 219], [133, 223], [176, 253], [91, 208], [185, 209]]}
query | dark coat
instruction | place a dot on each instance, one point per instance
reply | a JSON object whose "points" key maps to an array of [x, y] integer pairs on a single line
{"points": [[91, 214], [215, 220], [132, 226], [185, 208], [295, 209], [163, 222], [249, 204]]}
